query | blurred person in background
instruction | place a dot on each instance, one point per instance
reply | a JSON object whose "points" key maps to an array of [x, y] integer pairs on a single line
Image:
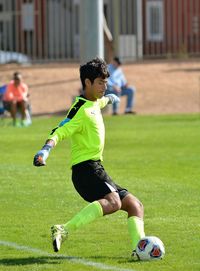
{"points": [[117, 84], [15, 100]]}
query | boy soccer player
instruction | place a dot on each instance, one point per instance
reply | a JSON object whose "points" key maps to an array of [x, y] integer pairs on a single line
{"points": [[84, 125]]}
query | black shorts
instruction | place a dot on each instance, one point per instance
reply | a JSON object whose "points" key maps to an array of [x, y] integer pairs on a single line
{"points": [[92, 182]]}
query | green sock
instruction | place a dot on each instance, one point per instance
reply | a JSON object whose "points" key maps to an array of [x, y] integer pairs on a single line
{"points": [[136, 230], [85, 216]]}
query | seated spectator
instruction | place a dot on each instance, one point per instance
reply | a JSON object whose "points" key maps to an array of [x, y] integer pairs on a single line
{"points": [[118, 85], [15, 99]]}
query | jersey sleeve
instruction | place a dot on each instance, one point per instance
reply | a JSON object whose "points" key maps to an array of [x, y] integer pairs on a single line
{"points": [[103, 102], [66, 128], [72, 124]]}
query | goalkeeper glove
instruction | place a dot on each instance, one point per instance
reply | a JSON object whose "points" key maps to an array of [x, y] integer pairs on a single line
{"points": [[41, 156], [112, 98]]}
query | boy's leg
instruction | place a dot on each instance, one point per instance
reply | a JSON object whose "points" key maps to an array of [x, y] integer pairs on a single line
{"points": [[109, 204], [85, 216], [97, 189], [136, 230], [135, 211]]}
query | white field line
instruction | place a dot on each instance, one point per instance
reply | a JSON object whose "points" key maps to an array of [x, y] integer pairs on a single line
{"points": [[72, 259]]}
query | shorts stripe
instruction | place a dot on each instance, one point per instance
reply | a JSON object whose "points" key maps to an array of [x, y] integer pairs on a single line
{"points": [[112, 189]]}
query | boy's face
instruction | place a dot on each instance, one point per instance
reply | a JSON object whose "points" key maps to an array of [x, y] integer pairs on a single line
{"points": [[97, 89]]}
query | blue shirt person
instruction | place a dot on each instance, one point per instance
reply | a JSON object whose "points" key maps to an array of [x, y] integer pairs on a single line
{"points": [[117, 84]]}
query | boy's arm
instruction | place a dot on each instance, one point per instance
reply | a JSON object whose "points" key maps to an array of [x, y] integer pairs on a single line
{"points": [[65, 129]]}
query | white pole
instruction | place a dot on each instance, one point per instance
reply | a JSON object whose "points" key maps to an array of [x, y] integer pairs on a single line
{"points": [[139, 33], [91, 29], [116, 26]]}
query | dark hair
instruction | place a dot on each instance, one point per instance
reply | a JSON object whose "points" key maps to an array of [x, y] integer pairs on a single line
{"points": [[117, 59], [93, 69], [17, 76]]}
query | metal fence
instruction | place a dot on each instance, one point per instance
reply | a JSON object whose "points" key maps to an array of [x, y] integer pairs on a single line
{"points": [[48, 30], [41, 30]]}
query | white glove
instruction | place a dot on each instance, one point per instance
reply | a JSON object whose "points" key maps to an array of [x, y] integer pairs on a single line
{"points": [[112, 98], [41, 156]]}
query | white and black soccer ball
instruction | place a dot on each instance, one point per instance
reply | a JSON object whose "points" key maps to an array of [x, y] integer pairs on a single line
{"points": [[150, 248]]}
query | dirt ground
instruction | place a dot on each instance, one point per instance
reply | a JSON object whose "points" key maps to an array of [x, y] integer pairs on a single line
{"points": [[163, 87]]}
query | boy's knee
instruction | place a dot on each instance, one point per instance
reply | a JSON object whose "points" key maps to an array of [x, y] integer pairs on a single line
{"points": [[139, 206], [133, 206], [117, 205], [115, 202]]}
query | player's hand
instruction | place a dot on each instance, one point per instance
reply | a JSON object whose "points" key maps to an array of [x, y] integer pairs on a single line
{"points": [[41, 156], [112, 98]]}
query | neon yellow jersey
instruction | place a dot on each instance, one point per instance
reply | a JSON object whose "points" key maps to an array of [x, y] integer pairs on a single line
{"points": [[85, 127]]}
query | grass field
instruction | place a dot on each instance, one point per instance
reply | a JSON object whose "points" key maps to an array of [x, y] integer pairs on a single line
{"points": [[156, 157]]}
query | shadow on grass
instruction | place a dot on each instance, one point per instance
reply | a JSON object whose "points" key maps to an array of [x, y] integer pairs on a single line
{"points": [[59, 259], [30, 260]]}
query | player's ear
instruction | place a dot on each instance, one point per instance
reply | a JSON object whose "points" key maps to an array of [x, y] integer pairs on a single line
{"points": [[87, 82]]}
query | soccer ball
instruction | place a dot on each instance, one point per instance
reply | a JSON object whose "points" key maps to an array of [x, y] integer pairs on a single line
{"points": [[150, 248]]}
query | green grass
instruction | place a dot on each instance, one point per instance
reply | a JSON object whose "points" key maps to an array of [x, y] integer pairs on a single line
{"points": [[156, 157]]}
